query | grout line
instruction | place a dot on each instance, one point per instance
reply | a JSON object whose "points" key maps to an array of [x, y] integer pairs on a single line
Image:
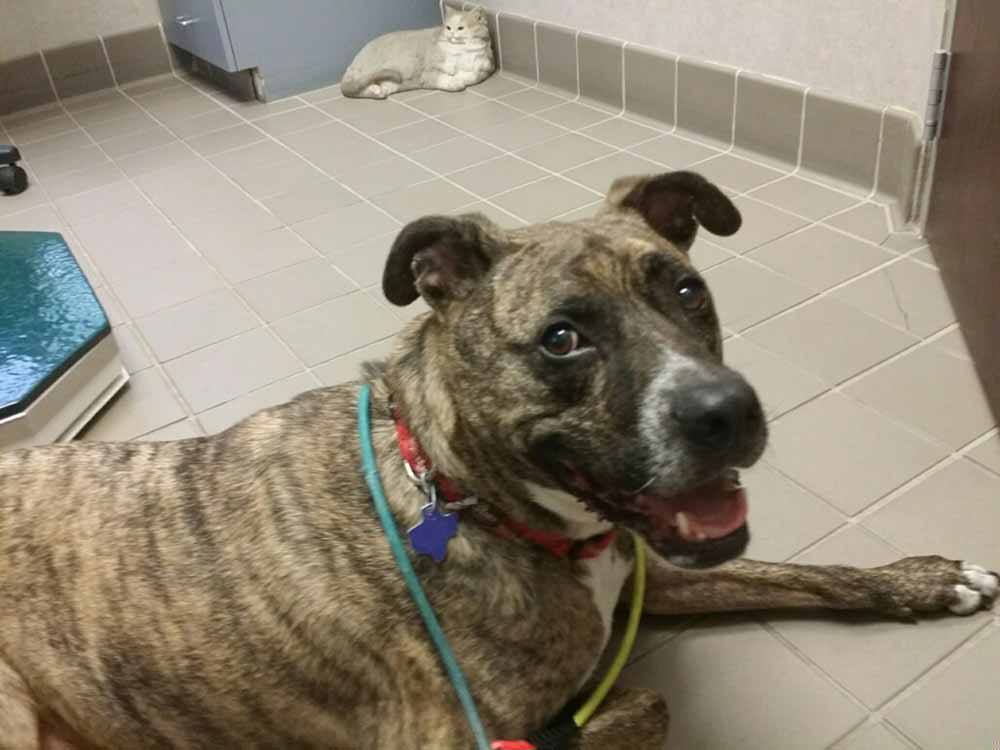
{"points": [[802, 131], [107, 59]]}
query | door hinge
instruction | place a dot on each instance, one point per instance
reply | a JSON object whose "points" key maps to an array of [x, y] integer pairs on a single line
{"points": [[936, 94]]}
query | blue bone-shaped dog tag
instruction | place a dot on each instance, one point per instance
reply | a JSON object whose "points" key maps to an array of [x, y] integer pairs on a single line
{"points": [[432, 534]]}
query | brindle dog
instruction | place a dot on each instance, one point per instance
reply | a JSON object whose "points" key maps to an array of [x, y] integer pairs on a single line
{"points": [[237, 591]]}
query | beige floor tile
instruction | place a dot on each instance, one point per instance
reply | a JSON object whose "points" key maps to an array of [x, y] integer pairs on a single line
{"points": [[522, 133], [761, 224], [705, 255], [846, 453], [498, 216], [132, 350], [186, 428], [676, 152], [953, 343], [191, 325], [115, 110], [600, 174], [725, 664], [384, 176], [420, 135], [784, 517], [780, 385], [874, 658], [829, 339], [145, 405], [906, 294], [457, 153], [255, 110], [868, 220], [481, 116], [746, 294], [322, 95], [371, 115], [134, 143], [497, 176], [363, 263], [30, 130], [532, 100], [83, 180], [180, 280], [347, 367], [335, 147], [951, 512], [736, 173], [71, 140], [94, 99], [226, 415], [13, 204], [151, 160], [987, 454], [346, 226], [105, 200], [217, 141], [61, 162], [497, 85], [432, 197], [224, 371], [298, 287], [871, 737], [932, 392], [820, 258], [443, 102], [543, 200], [804, 198], [574, 115], [319, 334], [309, 201], [620, 133], [132, 124], [587, 211], [904, 242], [957, 708], [199, 125], [292, 121], [565, 152], [405, 314]]}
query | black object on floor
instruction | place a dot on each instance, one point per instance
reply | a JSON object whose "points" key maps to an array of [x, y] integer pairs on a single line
{"points": [[13, 179]]}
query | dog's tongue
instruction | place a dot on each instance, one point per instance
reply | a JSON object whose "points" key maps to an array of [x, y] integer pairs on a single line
{"points": [[711, 511]]}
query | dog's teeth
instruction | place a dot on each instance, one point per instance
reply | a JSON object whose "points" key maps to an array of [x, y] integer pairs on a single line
{"points": [[683, 525]]}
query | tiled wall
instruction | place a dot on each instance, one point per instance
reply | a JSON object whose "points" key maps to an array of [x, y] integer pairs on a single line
{"points": [[40, 77], [868, 150]]}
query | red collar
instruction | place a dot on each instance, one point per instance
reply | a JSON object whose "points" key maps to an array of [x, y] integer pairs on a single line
{"points": [[506, 528]]}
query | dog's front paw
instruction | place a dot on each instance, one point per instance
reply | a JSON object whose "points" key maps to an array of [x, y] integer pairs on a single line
{"points": [[978, 589], [934, 584]]}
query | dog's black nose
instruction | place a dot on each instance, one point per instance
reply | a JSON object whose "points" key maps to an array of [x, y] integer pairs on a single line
{"points": [[720, 414]]}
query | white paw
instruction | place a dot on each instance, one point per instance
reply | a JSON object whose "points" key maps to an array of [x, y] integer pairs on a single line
{"points": [[980, 587]]}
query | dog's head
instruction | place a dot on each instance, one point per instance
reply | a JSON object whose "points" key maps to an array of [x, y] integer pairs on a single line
{"points": [[588, 355]]}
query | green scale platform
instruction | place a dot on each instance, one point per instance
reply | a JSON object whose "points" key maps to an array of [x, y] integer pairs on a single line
{"points": [[59, 363]]}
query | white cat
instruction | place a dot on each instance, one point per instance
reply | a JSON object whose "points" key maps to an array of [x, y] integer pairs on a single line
{"points": [[450, 57]]}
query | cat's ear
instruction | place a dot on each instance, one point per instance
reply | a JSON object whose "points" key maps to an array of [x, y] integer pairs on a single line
{"points": [[441, 258], [675, 204]]}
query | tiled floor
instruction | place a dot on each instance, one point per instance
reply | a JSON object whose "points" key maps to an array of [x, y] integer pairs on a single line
{"points": [[238, 248]]}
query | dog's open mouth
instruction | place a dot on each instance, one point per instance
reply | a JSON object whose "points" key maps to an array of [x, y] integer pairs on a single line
{"points": [[702, 526]]}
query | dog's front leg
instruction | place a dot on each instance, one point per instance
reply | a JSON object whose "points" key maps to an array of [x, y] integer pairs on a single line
{"points": [[629, 719], [901, 589]]}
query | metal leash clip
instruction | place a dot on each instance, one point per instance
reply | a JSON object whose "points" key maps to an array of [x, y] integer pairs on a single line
{"points": [[425, 481]]}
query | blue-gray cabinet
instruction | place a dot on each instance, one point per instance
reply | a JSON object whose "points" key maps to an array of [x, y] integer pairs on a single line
{"points": [[294, 45]]}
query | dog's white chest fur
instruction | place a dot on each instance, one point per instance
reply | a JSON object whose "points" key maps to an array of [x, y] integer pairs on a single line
{"points": [[605, 574]]}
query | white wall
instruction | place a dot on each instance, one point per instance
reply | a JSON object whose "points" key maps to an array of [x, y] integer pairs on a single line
{"points": [[29, 25], [877, 51]]}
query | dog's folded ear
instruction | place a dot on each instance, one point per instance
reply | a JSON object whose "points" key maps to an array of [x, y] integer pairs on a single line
{"points": [[675, 204], [440, 258]]}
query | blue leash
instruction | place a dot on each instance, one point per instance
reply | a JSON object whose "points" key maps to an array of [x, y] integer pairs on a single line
{"points": [[409, 575]]}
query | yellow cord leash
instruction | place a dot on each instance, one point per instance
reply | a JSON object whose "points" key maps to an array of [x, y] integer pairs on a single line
{"points": [[588, 709]]}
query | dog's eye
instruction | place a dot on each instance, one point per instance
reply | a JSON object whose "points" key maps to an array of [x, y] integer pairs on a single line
{"points": [[461, 28], [448, 27], [692, 293], [562, 340]]}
